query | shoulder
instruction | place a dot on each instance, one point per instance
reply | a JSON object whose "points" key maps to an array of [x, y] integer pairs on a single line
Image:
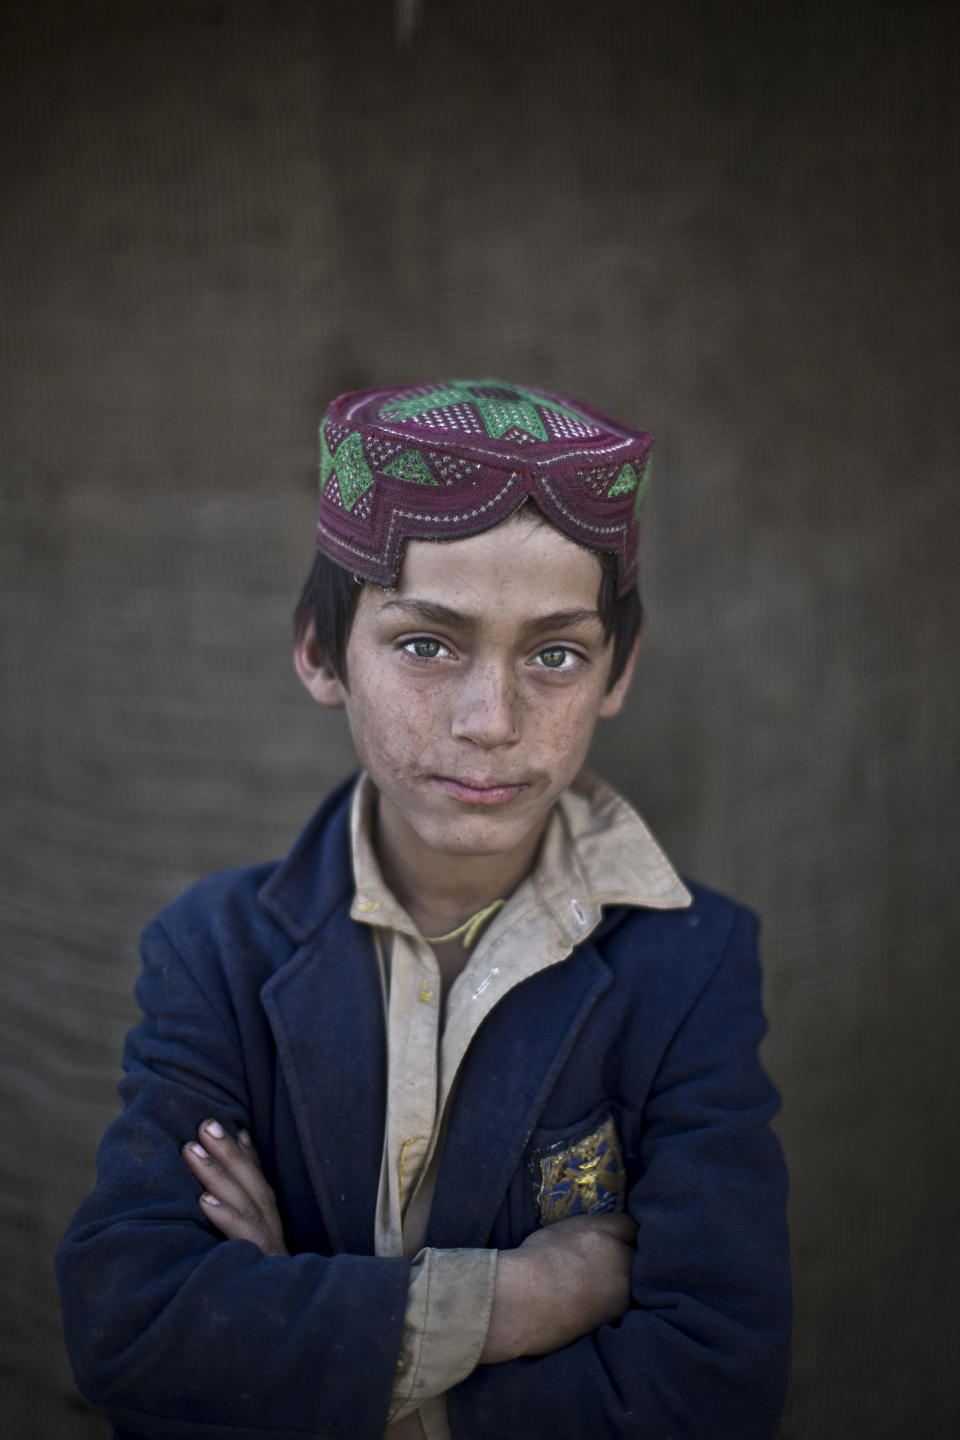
{"points": [[215, 936], [702, 928], [672, 957], [264, 911], [720, 920], [221, 900]]}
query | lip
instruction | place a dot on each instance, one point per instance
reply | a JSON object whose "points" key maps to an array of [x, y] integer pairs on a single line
{"points": [[470, 794]]}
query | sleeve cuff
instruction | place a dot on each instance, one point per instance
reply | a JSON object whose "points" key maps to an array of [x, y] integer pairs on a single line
{"points": [[445, 1325]]}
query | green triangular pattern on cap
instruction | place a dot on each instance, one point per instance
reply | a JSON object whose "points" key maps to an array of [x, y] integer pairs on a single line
{"points": [[353, 472], [499, 413], [411, 466], [520, 393], [624, 483], [420, 404], [499, 416]]}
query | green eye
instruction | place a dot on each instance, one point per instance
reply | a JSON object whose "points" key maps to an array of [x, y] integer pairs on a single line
{"points": [[425, 649], [553, 659]]}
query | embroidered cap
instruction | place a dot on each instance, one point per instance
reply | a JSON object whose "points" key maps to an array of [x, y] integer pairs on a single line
{"points": [[454, 457]]}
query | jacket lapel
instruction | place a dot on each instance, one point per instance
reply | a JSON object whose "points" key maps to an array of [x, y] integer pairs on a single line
{"points": [[509, 1070], [325, 1008], [326, 1013]]}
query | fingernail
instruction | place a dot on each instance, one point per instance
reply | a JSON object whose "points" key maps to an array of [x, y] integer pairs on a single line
{"points": [[199, 1150], [214, 1128], [243, 1137], [207, 1199]]}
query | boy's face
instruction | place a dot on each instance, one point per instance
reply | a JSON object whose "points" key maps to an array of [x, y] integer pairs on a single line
{"points": [[475, 686]]}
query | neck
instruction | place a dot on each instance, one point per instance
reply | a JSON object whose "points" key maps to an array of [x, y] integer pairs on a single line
{"points": [[441, 891]]}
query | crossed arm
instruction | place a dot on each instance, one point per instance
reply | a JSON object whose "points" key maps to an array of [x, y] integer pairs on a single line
{"points": [[175, 1335], [562, 1282]]}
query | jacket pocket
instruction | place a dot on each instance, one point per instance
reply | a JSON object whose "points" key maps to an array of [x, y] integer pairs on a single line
{"points": [[579, 1172]]}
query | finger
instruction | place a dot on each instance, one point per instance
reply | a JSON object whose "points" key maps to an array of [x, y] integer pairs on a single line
{"points": [[232, 1173], [228, 1206], [240, 1162], [213, 1177], [234, 1226], [248, 1147], [222, 1184]]}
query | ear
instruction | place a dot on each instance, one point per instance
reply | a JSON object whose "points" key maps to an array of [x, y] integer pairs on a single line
{"points": [[316, 672], [613, 701]]}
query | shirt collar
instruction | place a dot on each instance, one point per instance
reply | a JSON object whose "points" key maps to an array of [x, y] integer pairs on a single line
{"points": [[596, 851]]}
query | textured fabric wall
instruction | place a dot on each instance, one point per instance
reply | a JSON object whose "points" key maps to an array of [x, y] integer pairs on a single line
{"points": [[734, 223]]}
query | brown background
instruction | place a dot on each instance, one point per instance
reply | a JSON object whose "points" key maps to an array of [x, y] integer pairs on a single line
{"points": [[734, 223]]}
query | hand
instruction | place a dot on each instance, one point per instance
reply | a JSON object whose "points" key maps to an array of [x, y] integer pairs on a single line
{"points": [[236, 1198], [563, 1282]]}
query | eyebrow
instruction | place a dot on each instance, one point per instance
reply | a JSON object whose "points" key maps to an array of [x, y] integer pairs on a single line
{"points": [[430, 612]]}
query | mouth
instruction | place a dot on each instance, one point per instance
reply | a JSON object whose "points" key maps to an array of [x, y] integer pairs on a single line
{"points": [[475, 793]]}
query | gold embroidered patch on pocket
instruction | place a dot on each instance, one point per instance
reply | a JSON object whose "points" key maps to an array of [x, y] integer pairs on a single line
{"points": [[584, 1178]]}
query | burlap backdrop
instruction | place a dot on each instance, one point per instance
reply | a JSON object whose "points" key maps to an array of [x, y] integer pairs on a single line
{"points": [[730, 222]]}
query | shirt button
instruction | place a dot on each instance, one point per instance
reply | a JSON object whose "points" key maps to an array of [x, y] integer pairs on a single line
{"points": [[403, 1363]]}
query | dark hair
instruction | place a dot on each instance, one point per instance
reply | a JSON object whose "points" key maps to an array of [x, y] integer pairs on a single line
{"points": [[329, 598]]}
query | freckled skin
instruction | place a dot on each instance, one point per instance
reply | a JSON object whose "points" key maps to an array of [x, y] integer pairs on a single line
{"points": [[488, 705]]}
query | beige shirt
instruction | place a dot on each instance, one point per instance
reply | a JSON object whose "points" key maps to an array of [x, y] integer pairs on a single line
{"points": [[595, 851]]}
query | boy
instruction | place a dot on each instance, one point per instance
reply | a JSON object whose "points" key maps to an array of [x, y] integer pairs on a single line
{"points": [[469, 1082]]}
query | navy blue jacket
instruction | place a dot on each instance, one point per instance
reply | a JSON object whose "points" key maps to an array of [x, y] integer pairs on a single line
{"points": [[262, 1006]]}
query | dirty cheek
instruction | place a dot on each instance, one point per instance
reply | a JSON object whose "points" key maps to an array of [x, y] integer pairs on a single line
{"points": [[569, 731], [407, 726]]}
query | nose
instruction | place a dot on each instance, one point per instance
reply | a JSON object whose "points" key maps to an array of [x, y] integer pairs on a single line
{"points": [[487, 707]]}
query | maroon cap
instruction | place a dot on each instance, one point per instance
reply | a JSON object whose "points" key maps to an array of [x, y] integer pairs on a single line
{"points": [[454, 457]]}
